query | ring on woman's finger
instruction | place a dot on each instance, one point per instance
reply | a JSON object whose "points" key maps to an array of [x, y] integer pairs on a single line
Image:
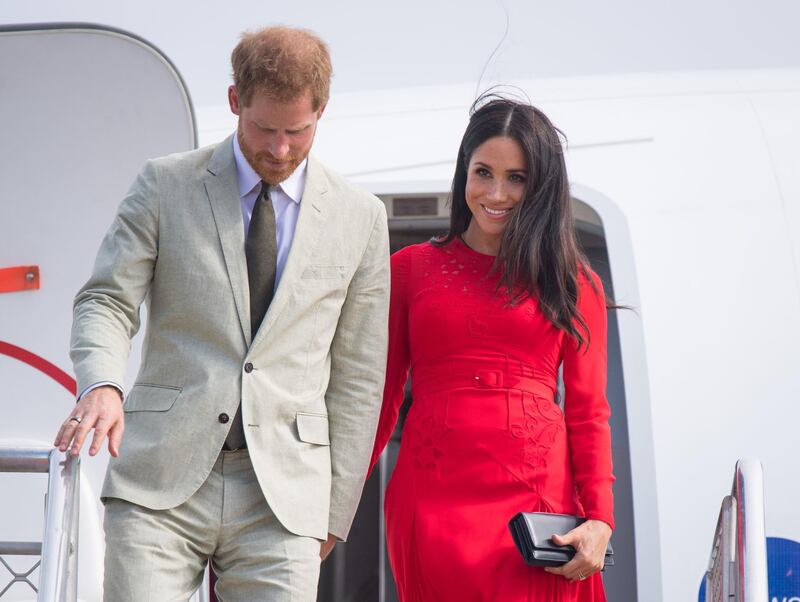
{"points": [[581, 577], [76, 419]]}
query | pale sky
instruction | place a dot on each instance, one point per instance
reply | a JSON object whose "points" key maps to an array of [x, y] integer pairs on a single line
{"points": [[429, 42]]}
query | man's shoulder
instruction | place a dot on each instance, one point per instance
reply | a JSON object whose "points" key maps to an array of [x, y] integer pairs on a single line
{"points": [[184, 162], [344, 189]]}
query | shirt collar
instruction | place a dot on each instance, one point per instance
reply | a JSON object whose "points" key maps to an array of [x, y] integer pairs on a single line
{"points": [[248, 179]]}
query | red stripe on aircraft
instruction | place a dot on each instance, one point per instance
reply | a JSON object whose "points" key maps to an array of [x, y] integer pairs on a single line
{"points": [[41, 364], [19, 278]]}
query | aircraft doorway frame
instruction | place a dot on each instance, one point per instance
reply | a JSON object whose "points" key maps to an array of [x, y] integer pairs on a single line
{"points": [[622, 268]]}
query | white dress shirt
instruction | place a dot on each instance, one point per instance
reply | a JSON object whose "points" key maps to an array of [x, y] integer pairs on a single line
{"points": [[285, 198]]}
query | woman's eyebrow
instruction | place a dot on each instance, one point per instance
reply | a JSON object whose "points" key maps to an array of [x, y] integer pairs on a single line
{"points": [[521, 170]]}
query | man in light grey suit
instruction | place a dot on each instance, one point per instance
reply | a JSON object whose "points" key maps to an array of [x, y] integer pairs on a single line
{"points": [[250, 425]]}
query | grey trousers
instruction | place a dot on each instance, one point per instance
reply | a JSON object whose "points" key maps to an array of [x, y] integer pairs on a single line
{"points": [[160, 555]]}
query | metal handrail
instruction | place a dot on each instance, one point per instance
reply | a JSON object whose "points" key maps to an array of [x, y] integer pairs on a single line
{"points": [[751, 545], [58, 575], [721, 574], [737, 568]]}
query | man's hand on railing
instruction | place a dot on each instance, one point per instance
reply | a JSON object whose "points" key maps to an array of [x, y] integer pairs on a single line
{"points": [[101, 410]]}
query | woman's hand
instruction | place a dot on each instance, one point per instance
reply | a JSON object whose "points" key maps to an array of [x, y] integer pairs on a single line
{"points": [[590, 541], [327, 546]]}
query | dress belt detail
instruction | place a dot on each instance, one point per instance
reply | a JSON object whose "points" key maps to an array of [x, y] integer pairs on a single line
{"points": [[478, 373]]}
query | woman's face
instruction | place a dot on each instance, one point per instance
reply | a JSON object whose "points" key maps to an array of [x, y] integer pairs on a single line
{"points": [[496, 178]]}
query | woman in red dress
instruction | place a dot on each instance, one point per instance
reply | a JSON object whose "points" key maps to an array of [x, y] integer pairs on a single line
{"points": [[484, 317]]}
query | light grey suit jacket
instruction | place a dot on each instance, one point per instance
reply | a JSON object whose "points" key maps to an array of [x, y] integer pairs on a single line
{"points": [[310, 403]]}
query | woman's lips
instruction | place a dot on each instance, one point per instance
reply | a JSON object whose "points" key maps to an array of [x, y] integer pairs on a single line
{"points": [[495, 213]]}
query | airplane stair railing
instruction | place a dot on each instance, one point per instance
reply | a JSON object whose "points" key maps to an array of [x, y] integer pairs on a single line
{"points": [[58, 550], [737, 569]]}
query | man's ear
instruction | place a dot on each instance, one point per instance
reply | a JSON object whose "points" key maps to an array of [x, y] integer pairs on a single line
{"points": [[321, 110], [233, 100]]}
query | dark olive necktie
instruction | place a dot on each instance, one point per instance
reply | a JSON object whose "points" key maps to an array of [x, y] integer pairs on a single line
{"points": [[261, 251]]}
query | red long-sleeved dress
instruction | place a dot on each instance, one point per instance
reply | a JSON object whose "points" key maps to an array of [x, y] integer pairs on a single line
{"points": [[484, 438]]}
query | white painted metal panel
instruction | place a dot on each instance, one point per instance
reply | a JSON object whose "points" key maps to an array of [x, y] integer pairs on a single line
{"points": [[81, 108]]}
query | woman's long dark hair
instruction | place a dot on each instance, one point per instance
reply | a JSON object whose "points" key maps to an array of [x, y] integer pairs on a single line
{"points": [[539, 253]]}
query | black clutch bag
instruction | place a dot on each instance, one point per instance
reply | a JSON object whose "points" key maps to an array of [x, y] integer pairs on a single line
{"points": [[532, 530]]}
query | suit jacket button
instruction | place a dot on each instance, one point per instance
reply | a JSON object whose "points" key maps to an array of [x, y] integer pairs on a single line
{"points": [[223, 418], [248, 367]]}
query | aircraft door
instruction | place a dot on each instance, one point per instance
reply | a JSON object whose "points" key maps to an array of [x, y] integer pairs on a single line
{"points": [[82, 108]]}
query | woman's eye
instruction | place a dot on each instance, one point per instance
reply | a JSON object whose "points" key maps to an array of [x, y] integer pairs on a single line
{"points": [[517, 178], [483, 172]]}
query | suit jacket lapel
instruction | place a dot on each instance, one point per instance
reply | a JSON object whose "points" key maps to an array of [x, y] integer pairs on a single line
{"points": [[223, 192], [309, 229]]}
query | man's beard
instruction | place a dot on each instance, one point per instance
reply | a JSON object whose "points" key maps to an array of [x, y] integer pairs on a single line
{"points": [[258, 161]]}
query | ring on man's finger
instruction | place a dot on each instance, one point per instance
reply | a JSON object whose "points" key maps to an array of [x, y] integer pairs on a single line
{"points": [[76, 419]]}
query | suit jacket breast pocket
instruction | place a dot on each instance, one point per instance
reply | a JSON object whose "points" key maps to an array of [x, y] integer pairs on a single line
{"points": [[151, 398], [325, 272], [323, 287]]}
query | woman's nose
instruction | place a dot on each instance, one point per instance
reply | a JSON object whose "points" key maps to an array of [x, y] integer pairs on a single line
{"points": [[497, 191]]}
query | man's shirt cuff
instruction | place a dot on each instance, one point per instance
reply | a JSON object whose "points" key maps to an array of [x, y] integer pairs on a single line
{"points": [[104, 383]]}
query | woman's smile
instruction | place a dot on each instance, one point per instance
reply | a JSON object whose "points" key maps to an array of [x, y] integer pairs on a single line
{"points": [[496, 213]]}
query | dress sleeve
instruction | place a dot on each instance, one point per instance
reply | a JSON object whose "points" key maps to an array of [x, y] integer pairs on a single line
{"points": [[586, 409], [398, 358]]}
